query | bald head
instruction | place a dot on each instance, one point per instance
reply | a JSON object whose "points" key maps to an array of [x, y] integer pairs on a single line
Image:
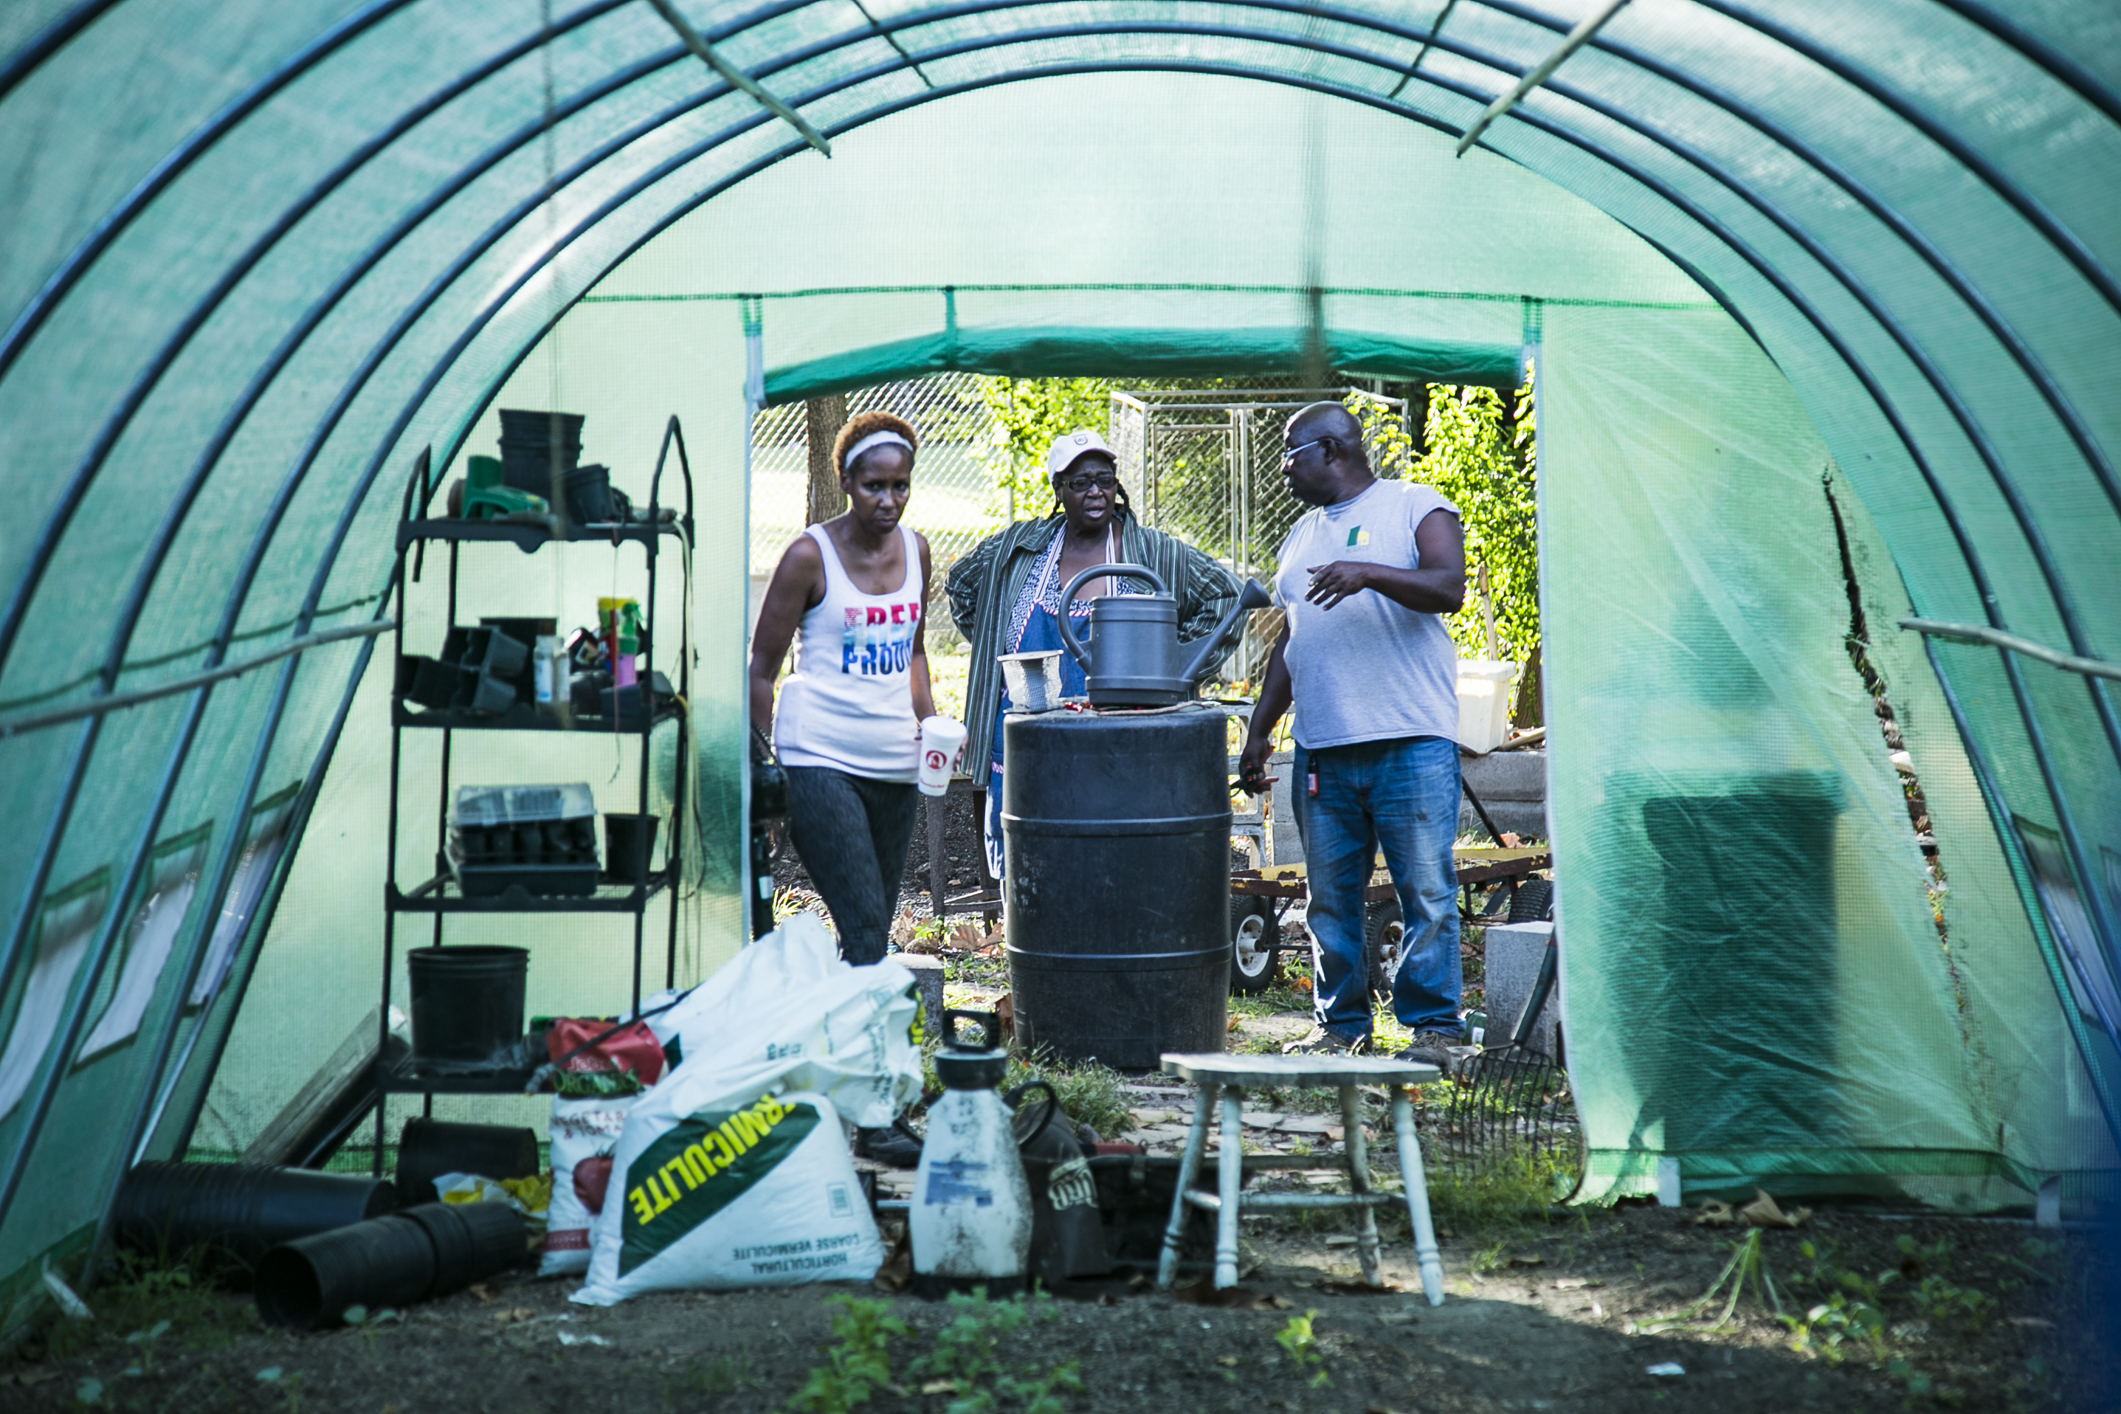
{"points": [[1322, 455], [1327, 420]]}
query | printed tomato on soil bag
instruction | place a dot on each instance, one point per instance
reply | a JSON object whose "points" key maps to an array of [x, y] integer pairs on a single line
{"points": [[734, 1171], [593, 1089]]}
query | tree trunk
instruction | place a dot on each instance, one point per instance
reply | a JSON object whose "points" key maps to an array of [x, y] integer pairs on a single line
{"points": [[1530, 711], [823, 418]]}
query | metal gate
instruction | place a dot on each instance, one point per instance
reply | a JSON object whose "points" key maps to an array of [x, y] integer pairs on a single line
{"points": [[1204, 464]]}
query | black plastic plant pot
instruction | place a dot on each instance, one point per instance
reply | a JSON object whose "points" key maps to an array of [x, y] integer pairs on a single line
{"points": [[429, 1148], [629, 843], [472, 1241], [310, 1284], [467, 1001], [233, 1213]]}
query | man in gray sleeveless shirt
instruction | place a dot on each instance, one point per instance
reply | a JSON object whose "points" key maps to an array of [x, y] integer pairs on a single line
{"points": [[1365, 657]]}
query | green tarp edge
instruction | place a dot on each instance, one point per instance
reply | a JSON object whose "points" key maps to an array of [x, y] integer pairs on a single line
{"points": [[1047, 352]]}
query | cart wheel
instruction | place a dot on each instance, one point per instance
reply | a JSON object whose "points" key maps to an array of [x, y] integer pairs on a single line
{"points": [[1383, 934], [1255, 956], [1534, 901]]}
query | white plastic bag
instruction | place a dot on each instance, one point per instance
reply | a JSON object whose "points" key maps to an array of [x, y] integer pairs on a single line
{"points": [[792, 1022], [755, 1194]]}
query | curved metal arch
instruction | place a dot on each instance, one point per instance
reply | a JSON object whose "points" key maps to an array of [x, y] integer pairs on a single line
{"points": [[2040, 54], [61, 281], [2029, 363], [2029, 208], [60, 517], [77, 770], [50, 40]]}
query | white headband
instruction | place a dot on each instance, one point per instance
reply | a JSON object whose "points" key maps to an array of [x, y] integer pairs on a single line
{"points": [[885, 438]]}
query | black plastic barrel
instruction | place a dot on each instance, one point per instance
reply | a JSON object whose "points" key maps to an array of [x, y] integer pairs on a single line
{"points": [[527, 448], [467, 1001], [233, 1213], [1116, 830], [424, 1252], [429, 1148]]}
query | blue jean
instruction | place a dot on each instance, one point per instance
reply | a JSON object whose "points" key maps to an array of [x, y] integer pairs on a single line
{"points": [[1401, 796]]}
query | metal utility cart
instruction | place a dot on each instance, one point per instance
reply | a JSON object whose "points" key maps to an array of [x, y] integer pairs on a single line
{"points": [[440, 895], [1259, 898]]}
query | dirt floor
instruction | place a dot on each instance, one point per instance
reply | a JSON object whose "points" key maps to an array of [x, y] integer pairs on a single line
{"points": [[1553, 1317]]}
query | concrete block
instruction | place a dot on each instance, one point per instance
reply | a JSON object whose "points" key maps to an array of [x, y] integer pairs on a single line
{"points": [[1285, 844], [928, 971], [1506, 775], [1526, 819], [1513, 952]]}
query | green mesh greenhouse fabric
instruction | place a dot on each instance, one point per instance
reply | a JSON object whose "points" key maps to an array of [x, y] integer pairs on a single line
{"points": [[1825, 299]]}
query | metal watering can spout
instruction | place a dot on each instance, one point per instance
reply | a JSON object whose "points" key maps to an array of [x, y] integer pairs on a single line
{"points": [[1226, 634], [1069, 641]]}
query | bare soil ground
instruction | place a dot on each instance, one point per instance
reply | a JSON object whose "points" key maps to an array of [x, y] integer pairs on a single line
{"points": [[1550, 1318]]}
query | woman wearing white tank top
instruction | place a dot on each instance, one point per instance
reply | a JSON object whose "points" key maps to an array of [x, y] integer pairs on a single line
{"points": [[848, 724]]}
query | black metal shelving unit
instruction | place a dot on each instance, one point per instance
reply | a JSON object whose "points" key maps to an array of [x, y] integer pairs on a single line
{"points": [[439, 895]]}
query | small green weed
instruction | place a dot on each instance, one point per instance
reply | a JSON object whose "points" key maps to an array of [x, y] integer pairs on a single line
{"points": [[859, 1365], [1300, 1343], [1747, 1268], [140, 1294], [965, 1361]]}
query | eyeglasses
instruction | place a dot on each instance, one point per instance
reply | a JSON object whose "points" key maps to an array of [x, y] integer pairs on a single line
{"points": [[1289, 453], [1084, 481]]}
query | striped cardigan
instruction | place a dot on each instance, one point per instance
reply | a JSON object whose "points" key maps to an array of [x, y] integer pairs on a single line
{"points": [[984, 583]]}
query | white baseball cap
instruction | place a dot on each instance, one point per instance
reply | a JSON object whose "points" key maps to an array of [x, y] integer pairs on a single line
{"points": [[1070, 446]]}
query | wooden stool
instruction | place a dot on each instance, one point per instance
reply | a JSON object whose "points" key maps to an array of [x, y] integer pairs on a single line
{"points": [[1227, 1077]]}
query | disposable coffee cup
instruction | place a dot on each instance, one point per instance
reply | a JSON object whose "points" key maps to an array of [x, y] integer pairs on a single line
{"points": [[942, 740]]}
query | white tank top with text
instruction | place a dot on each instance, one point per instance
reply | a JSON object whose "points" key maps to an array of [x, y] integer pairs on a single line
{"points": [[849, 703]]}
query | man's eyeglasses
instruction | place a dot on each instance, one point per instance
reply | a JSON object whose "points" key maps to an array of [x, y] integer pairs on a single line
{"points": [[1289, 453], [1083, 481]]}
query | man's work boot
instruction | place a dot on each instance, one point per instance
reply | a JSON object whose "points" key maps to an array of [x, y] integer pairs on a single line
{"points": [[1433, 1048], [1321, 1042], [897, 1146]]}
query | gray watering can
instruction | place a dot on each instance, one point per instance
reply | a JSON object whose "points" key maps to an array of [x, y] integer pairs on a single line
{"points": [[1132, 654]]}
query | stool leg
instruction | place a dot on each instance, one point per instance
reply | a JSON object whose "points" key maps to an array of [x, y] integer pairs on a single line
{"points": [[1358, 1156], [1232, 1157], [1417, 1196], [1188, 1171]]}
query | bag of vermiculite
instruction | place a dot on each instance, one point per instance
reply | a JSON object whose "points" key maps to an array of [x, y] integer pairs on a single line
{"points": [[756, 1194]]}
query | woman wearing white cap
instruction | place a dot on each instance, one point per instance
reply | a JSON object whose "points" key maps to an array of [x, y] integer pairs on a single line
{"points": [[848, 725], [1005, 594]]}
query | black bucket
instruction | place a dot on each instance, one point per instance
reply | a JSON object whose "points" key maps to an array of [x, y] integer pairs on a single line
{"points": [[589, 494], [629, 843], [467, 1002], [527, 451], [429, 1148], [234, 1213]]}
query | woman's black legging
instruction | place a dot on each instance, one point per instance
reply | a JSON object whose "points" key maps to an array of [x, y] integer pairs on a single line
{"points": [[852, 834]]}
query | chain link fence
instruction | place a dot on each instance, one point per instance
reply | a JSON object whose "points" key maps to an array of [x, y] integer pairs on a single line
{"points": [[955, 499], [1204, 464]]}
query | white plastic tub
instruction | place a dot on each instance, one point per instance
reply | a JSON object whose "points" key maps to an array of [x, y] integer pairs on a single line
{"points": [[1033, 680], [1484, 703]]}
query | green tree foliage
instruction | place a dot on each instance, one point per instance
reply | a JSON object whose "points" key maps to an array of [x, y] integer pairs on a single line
{"points": [[1029, 413], [1489, 468]]}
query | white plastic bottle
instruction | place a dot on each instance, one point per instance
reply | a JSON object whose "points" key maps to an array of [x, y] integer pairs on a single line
{"points": [[970, 1215]]}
